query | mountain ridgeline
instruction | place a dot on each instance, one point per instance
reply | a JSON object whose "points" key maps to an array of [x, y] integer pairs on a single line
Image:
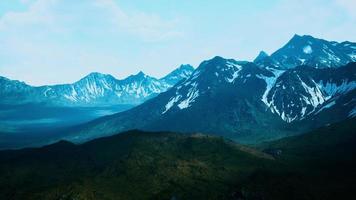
{"points": [[96, 89], [307, 50], [250, 101]]}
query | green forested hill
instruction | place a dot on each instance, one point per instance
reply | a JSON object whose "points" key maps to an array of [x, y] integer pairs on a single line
{"points": [[132, 165], [144, 165]]}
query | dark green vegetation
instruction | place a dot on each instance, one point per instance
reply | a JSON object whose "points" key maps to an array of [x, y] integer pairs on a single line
{"points": [[318, 165], [132, 165], [143, 165]]}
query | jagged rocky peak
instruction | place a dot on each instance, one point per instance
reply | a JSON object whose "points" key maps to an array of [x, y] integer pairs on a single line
{"points": [[182, 72], [185, 70], [219, 63], [97, 76], [138, 77], [140, 74], [219, 70], [304, 44], [216, 63], [300, 40], [186, 67], [262, 55], [297, 37], [217, 59], [297, 46]]}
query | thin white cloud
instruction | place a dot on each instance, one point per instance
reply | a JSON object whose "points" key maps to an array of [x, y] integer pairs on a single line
{"points": [[349, 6], [149, 27], [31, 40], [25, 1], [38, 13]]}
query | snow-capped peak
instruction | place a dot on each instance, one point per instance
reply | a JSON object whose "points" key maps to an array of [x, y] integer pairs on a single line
{"points": [[319, 53], [182, 72]]}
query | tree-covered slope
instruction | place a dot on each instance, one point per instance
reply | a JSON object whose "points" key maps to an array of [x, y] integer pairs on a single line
{"points": [[132, 165], [147, 165], [316, 165]]}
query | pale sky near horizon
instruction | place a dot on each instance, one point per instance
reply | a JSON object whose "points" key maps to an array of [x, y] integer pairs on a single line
{"points": [[60, 41]]}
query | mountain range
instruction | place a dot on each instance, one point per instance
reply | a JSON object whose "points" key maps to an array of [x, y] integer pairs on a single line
{"points": [[95, 89], [250, 101]]}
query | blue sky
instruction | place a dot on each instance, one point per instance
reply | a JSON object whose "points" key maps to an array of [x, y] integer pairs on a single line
{"points": [[60, 41]]}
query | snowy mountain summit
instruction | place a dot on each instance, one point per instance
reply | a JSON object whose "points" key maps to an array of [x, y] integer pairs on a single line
{"points": [[307, 50]]}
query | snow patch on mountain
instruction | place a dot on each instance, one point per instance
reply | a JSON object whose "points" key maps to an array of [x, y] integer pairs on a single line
{"points": [[270, 82], [352, 56], [316, 95], [352, 113], [308, 49], [235, 68], [314, 52], [191, 96], [287, 118], [302, 113], [195, 74], [46, 91], [329, 105], [171, 103], [332, 89]]}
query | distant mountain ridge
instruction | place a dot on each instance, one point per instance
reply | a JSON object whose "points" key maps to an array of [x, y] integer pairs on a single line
{"points": [[93, 90]]}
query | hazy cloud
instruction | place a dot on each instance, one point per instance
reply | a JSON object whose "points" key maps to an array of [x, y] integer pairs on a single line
{"points": [[149, 27]]}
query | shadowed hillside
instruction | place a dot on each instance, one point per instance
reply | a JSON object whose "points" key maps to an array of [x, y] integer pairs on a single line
{"points": [[132, 165], [144, 165]]}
